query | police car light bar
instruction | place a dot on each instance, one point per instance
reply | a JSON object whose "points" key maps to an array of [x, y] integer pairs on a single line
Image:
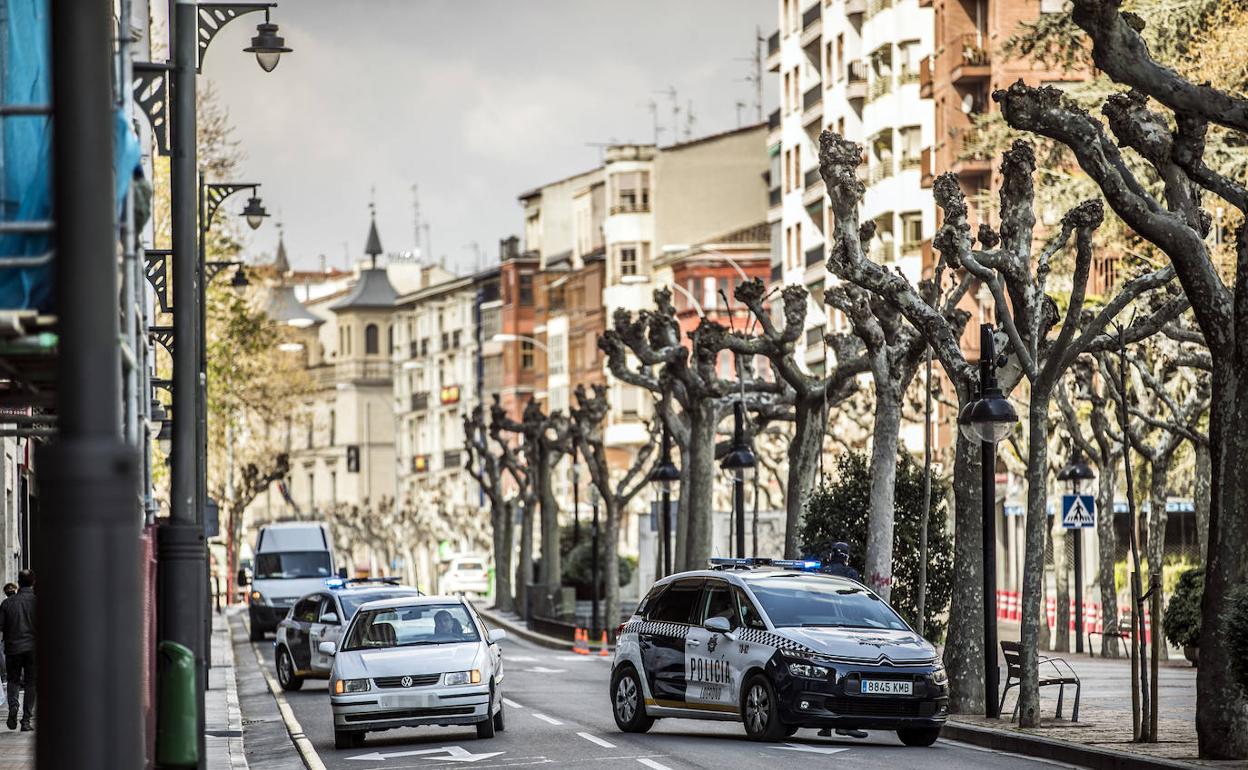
{"points": [[753, 561], [335, 582], [802, 564]]}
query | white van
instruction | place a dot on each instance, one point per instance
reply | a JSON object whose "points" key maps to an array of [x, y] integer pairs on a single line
{"points": [[291, 559]]}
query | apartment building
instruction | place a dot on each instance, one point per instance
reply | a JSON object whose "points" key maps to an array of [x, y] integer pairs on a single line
{"points": [[511, 356], [435, 387], [852, 66]]}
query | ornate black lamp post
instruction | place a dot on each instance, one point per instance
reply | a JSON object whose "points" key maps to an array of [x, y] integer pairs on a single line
{"points": [[665, 474], [1077, 471], [739, 463]]}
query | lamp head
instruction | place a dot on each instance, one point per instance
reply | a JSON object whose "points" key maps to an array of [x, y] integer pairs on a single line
{"points": [[990, 418], [239, 281], [1077, 470], [254, 212], [267, 45], [164, 439]]}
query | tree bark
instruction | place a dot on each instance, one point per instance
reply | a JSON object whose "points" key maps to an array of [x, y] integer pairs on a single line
{"points": [[524, 570], [884, 441], [1061, 574], [503, 598], [680, 550], [1107, 539], [1159, 475], [1201, 494], [701, 489], [811, 419], [1033, 561], [552, 569], [964, 647], [611, 566]]}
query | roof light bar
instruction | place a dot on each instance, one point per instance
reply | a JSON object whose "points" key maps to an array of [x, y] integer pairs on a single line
{"points": [[802, 564]]}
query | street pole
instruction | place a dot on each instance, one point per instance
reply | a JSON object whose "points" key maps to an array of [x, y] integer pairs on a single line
{"points": [[576, 498], [593, 569], [988, 463], [665, 545], [1078, 535], [738, 480], [182, 588], [87, 541]]}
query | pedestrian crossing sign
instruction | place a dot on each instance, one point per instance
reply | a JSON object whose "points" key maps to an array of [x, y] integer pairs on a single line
{"points": [[1078, 511]]}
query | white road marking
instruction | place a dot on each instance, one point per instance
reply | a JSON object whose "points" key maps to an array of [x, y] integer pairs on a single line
{"points": [[544, 670], [512, 704], [807, 748], [653, 765], [545, 718], [454, 754], [520, 658], [597, 740]]}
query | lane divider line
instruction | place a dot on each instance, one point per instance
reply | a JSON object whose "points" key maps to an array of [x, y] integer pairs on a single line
{"points": [[545, 718], [307, 753], [511, 704], [597, 740], [653, 765]]}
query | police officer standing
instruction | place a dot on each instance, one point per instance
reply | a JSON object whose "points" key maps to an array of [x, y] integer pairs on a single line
{"points": [[838, 563]]}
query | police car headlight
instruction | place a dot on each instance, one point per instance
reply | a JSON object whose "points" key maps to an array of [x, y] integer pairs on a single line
{"points": [[808, 670], [464, 677], [940, 677], [345, 686]]}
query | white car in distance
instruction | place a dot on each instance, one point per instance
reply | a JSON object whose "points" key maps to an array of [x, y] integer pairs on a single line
{"points": [[412, 662], [465, 575]]}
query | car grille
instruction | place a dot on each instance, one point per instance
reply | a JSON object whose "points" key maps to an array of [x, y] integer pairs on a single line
{"points": [[424, 680], [866, 707], [410, 714]]}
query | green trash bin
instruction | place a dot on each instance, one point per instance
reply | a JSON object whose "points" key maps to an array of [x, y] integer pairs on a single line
{"points": [[177, 720]]}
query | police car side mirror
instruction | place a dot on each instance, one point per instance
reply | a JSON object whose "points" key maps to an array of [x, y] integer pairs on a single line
{"points": [[330, 618], [243, 577], [327, 648], [717, 625]]}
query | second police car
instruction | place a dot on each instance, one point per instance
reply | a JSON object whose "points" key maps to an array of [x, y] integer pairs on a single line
{"points": [[778, 647]]}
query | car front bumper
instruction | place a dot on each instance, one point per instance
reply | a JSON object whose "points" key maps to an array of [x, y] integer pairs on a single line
{"points": [[839, 702], [383, 708], [266, 617]]}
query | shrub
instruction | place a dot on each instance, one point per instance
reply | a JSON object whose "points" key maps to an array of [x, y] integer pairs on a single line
{"points": [[1237, 632], [838, 510], [578, 568], [1181, 621]]}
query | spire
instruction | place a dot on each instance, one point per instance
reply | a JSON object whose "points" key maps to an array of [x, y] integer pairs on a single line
{"points": [[281, 264], [373, 246]]}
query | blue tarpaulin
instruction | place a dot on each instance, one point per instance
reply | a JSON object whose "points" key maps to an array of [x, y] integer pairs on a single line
{"points": [[27, 169]]}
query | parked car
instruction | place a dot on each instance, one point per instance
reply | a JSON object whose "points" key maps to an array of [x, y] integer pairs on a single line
{"points": [[465, 575], [292, 559], [320, 617], [414, 662], [777, 647]]}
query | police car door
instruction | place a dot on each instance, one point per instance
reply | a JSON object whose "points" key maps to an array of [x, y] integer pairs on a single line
{"points": [[306, 612], [713, 660], [328, 628], [662, 641]]}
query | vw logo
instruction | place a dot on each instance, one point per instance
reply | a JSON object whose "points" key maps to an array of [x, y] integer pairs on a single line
{"points": [[406, 681]]}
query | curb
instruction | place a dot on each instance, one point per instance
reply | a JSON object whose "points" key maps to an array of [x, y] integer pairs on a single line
{"points": [[307, 753], [1058, 751], [511, 628]]}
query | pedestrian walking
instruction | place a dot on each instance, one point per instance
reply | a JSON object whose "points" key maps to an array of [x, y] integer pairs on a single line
{"points": [[17, 624]]}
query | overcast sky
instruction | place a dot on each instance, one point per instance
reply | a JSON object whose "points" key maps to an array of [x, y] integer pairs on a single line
{"points": [[475, 101]]}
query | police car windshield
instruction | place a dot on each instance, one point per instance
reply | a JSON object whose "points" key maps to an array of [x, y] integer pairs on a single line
{"points": [[808, 600], [352, 602]]}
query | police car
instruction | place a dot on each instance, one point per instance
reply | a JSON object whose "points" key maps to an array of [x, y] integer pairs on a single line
{"points": [[319, 617], [777, 646]]}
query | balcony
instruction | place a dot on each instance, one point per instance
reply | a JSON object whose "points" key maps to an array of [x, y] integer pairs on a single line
{"points": [[880, 171], [925, 77], [773, 120], [774, 196], [856, 81], [811, 28], [881, 85], [363, 372], [420, 464], [910, 162], [814, 255], [969, 61], [876, 6], [630, 207], [420, 401], [926, 176], [812, 105], [970, 160], [908, 74], [855, 7], [814, 187], [773, 52]]}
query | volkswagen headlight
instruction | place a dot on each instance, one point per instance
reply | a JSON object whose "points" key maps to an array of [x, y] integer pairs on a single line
{"points": [[808, 670], [346, 686], [939, 676], [464, 677]]}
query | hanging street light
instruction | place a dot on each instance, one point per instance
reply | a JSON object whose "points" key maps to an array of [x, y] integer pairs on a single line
{"points": [[665, 474], [267, 45], [164, 439], [1076, 472], [239, 281], [989, 418], [739, 463], [254, 212]]}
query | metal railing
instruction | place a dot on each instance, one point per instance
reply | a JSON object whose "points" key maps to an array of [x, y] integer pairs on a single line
{"points": [[969, 50], [856, 71]]}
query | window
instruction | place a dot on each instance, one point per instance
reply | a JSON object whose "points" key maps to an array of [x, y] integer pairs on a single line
{"points": [[390, 339], [308, 610], [630, 192], [418, 624], [555, 355], [788, 90], [527, 355], [908, 52], [911, 139], [840, 56], [631, 259], [526, 288], [333, 428], [371, 345], [309, 432], [750, 617], [291, 565], [718, 602], [815, 600], [676, 605]]}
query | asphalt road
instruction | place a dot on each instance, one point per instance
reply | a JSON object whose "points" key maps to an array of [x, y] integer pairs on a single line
{"points": [[557, 713]]}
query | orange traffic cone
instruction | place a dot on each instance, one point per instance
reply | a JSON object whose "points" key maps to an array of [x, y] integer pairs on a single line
{"points": [[580, 644], [602, 649]]}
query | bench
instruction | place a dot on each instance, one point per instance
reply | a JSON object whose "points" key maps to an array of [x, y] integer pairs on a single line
{"points": [[1123, 637], [1014, 671]]}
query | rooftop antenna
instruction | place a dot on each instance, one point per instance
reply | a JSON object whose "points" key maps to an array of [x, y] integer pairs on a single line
{"points": [[416, 216], [654, 120], [690, 119], [755, 78], [428, 241], [670, 93], [740, 106]]}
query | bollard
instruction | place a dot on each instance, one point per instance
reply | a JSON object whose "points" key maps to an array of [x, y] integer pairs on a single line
{"points": [[177, 718]]}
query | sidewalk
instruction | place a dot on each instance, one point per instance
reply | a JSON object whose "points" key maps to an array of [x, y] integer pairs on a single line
{"points": [[223, 720]]}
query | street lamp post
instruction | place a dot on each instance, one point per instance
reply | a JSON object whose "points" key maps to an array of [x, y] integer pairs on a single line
{"points": [[576, 497], [739, 463], [593, 562], [663, 476], [1077, 471], [989, 419]]}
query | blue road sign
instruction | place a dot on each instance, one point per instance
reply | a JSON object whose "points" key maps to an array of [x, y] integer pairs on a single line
{"points": [[1078, 511]]}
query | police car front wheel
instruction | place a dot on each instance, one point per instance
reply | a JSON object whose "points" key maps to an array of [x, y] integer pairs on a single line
{"points": [[919, 736], [760, 710], [627, 703]]}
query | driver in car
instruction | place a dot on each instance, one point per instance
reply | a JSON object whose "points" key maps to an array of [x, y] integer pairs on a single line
{"points": [[445, 625]]}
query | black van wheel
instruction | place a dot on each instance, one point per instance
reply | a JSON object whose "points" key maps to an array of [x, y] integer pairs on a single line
{"points": [[919, 736], [760, 710], [627, 703]]}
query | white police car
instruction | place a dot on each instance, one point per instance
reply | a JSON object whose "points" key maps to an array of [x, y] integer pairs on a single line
{"points": [[779, 647]]}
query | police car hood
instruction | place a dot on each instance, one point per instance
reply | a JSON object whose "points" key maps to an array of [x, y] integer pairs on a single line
{"points": [[413, 660], [863, 644]]}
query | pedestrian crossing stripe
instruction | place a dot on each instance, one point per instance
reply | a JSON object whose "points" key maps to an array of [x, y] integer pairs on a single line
{"points": [[1078, 511]]}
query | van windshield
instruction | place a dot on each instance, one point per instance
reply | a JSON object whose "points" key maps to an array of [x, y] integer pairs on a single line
{"points": [[292, 564]]}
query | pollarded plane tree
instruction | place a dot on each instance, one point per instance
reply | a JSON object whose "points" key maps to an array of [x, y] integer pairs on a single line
{"points": [[691, 376], [1175, 221], [1042, 341], [517, 462], [616, 491], [486, 468]]}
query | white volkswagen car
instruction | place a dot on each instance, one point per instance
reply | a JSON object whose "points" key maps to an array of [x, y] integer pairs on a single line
{"points": [[413, 662]]}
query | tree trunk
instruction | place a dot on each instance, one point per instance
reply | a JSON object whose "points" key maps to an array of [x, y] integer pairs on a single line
{"points": [[1107, 539], [885, 437], [611, 566], [1221, 706], [701, 489], [503, 599], [1201, 495], [810, 419], [524, 570], [1061, 575], [1033, 561], [964, 646], [552, 568], [1159, 476], [680, 550]]}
